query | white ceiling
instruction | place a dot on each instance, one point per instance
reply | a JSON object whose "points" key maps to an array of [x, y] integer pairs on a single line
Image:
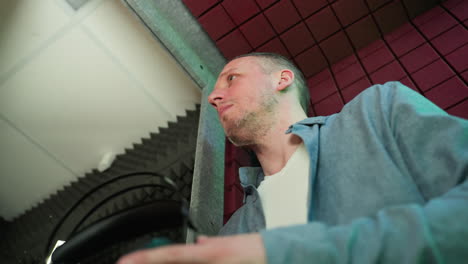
{"points": [[75, 85]]}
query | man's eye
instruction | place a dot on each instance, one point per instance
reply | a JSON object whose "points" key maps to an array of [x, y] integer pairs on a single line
{"points": [[231, 77]]}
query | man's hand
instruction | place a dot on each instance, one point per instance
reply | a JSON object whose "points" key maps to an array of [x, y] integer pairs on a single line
{"points": [[232, 249]]}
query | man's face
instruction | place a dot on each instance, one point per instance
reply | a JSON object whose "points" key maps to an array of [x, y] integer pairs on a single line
{"points": [[244, 98]]}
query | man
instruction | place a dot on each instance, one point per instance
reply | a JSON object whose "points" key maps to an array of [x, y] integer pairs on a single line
{"points": [[384, 180]]}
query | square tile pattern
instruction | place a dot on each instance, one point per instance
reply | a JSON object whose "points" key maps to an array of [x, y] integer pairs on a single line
{"points": [[345, 46]]}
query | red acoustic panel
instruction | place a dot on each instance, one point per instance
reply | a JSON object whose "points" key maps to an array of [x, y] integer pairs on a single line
{"points": [[329, 105], [321, 90], [428, 16], [349, 75], [374, 4], [216, 22], [418, 58], [451, 39], [233, 44], [448, 93], [377, 59], [282, 15], [407, 81], [236, 196], [297, 39], [311, 61], [459, 58], [389, 72], [432, 74], [307, 7], [460, 110], [405, 42], [450, 4], [197, 7], [265, 3], [363, 32], [437, 24], [318, 78], [390, 16], [323, 24], [344, 63], [257, 31], [336, 47], [354, 89], [371, 48], [274, 46], [343, 7], [399, 32], [240, 11], [461, 10], [465, 76]]}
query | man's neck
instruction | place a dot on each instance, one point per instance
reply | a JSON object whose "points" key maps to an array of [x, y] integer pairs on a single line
{"points": [[276, 147]]}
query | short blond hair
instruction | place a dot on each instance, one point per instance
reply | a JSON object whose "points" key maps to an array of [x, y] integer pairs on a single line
{"points": [[272, 61]]}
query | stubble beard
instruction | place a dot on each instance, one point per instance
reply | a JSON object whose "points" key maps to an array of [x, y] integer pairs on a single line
{"points": [[253, 126]]}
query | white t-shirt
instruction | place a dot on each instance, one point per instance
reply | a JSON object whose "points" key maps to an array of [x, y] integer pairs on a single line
{"points": [[284, 194]]}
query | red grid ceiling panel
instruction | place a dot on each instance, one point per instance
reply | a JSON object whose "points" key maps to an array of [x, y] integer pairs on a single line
{"points": [[363, 32], [419, 57], [311, 61], [390, 16], [349, 11], [297, 39], [216, 22], [257, 31], [275, 46], [403, 42], [374, 4], [458, 7], [265, 3], [323, 24], [197, 7], [432, 75], [319, 77], [322, 89], [308, 7], [354, 89], [438, 23], [349, 75], [371, 48], [282, 15], [377, 59], [389, 72], [409, 83], [233, 44], [459, 58], [240, 11], [460, 109], [336, 47], [451, 39], [330, 105], [344, 64], [448, 93]]}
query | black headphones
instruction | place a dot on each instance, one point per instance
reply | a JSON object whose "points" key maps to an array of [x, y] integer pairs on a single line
{"points": [[130, 223]]}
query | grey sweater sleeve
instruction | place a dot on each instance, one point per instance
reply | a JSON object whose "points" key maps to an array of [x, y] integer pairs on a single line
{"points": [[435, 147]]}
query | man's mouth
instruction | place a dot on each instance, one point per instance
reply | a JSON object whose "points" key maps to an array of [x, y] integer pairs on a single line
{"points": [[223, 109]]}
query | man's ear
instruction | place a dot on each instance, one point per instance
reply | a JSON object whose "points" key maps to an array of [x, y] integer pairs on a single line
{"points": [[286, 78]]}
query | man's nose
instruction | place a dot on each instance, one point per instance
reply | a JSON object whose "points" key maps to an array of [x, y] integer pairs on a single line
{"points": [[215, 97]]}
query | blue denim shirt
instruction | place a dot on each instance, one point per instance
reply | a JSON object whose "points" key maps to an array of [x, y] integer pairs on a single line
{"points": [[387, 184]]}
